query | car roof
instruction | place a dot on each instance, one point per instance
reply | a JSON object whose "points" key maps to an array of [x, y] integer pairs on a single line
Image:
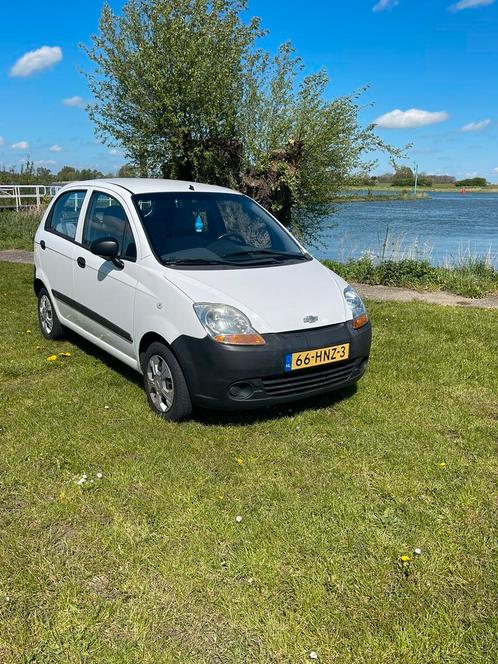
{"points": [[153, 185]]}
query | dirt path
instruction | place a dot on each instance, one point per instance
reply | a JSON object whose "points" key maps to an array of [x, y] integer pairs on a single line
{"points": [[16, 256], [379, 293], [385, 293]]}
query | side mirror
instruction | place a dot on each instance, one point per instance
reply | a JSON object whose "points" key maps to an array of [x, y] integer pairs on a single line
{"points": [[107, 248]]}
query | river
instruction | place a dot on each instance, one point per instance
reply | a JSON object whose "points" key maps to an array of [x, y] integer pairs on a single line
{"points": [[444, 228]]}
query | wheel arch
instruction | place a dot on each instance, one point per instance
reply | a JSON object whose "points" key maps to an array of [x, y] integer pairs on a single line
{"points": [[38, 285], [147, 339]]}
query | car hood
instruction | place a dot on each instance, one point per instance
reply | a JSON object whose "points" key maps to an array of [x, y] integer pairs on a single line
{"points": [[275, 298]]}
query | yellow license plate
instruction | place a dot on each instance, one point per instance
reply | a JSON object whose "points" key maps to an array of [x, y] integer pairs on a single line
{"points": [[312, 358]]}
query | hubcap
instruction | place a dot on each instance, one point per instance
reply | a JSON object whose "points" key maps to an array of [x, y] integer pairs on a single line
{"points": [[46, 314], [160, 383]]}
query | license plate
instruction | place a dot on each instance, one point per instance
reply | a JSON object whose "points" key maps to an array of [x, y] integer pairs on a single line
{"points": [[312, 358]]}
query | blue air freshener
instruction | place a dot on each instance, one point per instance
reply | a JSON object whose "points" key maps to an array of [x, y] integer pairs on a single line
{"points": [[199, 226]]}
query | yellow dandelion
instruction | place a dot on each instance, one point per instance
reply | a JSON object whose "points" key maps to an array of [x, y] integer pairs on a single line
{"points": [[65, 354], [52, 358], [405, 559], [240, 461], [442, 464], [62, 495], [28, 331]]}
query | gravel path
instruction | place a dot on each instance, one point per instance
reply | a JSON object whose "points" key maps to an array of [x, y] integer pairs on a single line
{"points": [[379, 293]]}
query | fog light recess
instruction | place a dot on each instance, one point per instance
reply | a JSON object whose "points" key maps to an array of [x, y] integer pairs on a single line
{"points": [[241, 390]]}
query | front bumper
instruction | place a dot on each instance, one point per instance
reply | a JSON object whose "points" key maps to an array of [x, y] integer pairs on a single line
{"points": [[238, 377]]}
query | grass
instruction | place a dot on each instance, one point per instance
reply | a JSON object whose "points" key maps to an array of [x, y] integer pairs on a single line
{"points": [[148, 564], [17, 229], [471, 278]]}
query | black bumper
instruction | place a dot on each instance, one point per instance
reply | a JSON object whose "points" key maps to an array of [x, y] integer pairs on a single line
{"points": [[237, 377]]}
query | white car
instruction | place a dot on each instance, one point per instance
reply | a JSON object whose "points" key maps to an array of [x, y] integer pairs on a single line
{"points": [[201, 290]]}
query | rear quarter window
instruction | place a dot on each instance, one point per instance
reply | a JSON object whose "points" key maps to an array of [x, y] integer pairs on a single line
{"points": [[65, 212]]}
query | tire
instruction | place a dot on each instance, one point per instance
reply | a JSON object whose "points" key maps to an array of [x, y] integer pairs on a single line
{"points": [[165, 384], [49, 323]]}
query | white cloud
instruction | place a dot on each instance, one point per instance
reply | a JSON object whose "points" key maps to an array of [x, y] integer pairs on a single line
{"points": [[476, 126], [382, 5], [42, 58], [76, 101], [414, 117], [45, 162], [2, 140], [495, 170], [55, 148], [468, 4], [22, 145]]}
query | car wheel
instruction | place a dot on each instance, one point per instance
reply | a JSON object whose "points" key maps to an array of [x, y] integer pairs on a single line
{"points": [[47, 317], [165, 384]]}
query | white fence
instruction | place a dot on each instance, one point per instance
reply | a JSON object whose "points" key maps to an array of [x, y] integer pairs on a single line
{"points": [[17, 196]]}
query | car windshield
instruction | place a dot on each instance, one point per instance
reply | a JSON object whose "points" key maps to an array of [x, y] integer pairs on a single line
{"points": [[213, 229]]}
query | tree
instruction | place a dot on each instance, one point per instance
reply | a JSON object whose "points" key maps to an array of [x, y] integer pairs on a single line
{"points": [[182, 88], [127, 171], [471, 182], [71, 174]]}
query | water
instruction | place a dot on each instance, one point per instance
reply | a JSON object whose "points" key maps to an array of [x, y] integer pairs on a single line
{"points": [[445, 228]]}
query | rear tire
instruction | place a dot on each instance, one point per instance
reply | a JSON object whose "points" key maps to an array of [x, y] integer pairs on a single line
{"points": [[165, 384], [50, 325]]}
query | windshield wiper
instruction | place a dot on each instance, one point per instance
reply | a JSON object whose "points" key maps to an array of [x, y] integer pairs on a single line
{"points": [[279, 255], [196, 261]]}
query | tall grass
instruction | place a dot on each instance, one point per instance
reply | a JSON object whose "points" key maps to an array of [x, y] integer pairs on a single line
{"points": [[474, 278], [17, 229]]}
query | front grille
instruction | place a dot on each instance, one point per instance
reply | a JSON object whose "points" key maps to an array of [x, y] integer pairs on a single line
{"points": [[307, 380]]}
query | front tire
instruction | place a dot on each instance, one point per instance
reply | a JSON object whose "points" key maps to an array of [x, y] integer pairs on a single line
{"points": [[165, 384], [49, 323]]}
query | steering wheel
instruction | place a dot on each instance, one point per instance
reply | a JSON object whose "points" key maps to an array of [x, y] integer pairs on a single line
{"points": [[235, 237]]}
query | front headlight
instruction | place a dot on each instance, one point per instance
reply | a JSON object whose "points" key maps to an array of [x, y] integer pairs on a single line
{"points": [[356, 306], [227, 325]]}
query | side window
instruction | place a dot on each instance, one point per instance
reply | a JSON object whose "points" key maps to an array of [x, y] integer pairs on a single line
{"points": [[106, 218], [63, 217]]}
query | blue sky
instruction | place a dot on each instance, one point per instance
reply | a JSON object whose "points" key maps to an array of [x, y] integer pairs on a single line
{"points": [[438, 58]]}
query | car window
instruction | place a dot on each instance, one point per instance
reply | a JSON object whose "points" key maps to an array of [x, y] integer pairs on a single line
{"points": [[245, 220], [106, 218], [63, 217], [209, 228]]}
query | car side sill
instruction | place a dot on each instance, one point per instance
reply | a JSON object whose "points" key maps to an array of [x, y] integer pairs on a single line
{"points": [[129, 361]]}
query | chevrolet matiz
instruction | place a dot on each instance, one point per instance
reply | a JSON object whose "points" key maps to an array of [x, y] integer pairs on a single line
{"points": [[199, 289]]}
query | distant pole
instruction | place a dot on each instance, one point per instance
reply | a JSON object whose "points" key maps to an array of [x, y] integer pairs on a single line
{"points": [[416, 181]]}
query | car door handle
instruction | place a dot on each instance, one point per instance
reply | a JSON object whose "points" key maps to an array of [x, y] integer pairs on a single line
{"points": [[81, 261], [42, 244]]}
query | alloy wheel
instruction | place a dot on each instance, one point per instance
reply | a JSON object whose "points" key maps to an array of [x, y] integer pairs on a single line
{"points": [[160, 383], [46, 314]]}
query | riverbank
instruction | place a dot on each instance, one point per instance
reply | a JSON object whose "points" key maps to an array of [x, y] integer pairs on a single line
{"points": [[490, 189], [474, 279], [371, 289], [471, 277], [349, 196]]}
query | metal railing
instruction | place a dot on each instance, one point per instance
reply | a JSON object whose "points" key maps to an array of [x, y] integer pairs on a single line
{"points": [[17, 196]]}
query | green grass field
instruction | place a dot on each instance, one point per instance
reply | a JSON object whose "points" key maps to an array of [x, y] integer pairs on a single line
{"points": [[149, 564]]}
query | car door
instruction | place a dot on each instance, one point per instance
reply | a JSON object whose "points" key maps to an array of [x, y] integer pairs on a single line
{"points": [[57, 247], [105, 290]]}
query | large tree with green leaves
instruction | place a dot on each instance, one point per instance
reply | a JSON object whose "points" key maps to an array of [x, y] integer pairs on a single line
{"points": [[183, 89]]}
